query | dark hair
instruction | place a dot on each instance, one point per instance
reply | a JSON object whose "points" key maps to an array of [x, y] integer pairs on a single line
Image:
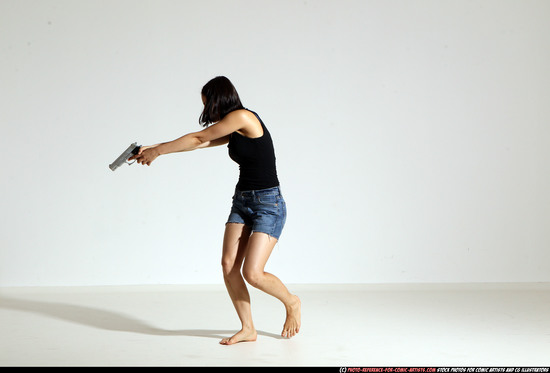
{"points": [[221, 99]]}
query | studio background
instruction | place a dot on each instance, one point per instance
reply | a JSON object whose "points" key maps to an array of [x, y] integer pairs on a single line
{"points": [[412, 138]]}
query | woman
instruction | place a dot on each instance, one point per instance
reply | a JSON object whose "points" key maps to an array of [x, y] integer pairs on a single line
{"points": [[258, 212]]}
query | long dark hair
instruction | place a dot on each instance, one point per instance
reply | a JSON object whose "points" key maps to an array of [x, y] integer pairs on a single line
{"points": [[221, 99]]}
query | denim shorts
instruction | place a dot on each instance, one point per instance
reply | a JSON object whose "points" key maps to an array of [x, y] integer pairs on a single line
{"points": [[264, 210]]}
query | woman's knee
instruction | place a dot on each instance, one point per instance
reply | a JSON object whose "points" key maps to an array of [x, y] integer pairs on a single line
{"points": [[229, 268], [252, 276]]}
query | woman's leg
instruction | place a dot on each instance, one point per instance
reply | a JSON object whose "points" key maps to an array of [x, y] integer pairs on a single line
{"points": [[260, 246], [235, 243]]}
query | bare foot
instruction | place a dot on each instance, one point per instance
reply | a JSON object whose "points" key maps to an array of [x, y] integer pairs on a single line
{"points": [[244, 335], [293, 319]]}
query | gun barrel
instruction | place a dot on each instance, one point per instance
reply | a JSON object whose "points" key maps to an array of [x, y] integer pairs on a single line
{"points": [[124, 156], [113, 166]]}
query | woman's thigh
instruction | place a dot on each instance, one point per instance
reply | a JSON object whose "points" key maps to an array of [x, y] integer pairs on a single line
{"points": [[260, 247], [235, 244]]}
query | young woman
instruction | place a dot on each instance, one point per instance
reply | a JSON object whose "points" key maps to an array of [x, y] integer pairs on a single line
{"points": [[258, 212]]}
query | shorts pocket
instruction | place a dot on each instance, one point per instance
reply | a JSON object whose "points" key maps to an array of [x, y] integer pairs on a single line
{"points": [[269, 199]]}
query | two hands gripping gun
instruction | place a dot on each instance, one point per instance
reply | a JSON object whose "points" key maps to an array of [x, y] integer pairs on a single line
{"points": [[123, 158]]}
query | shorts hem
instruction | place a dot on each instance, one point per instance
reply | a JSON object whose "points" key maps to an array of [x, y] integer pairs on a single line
{"points": [[236, 222], [255, 230], [269, 234]]}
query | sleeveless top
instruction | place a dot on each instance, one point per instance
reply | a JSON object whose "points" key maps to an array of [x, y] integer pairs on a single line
{"points": [[256, 159]]}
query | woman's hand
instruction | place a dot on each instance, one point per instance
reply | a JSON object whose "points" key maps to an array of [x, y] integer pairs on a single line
{"points": [[146, 155]]}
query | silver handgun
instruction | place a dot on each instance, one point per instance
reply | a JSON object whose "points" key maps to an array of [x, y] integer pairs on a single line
{"points": [[123, 158]]}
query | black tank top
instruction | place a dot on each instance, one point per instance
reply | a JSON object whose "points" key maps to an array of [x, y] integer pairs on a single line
{"points": [[256, 159]]}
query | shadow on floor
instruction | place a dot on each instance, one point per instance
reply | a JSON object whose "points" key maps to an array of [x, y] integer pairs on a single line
{"points": [[108, 320]]}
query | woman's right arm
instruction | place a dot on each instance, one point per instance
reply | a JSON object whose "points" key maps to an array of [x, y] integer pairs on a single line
{"points": [[216, 134], [210, 144]]}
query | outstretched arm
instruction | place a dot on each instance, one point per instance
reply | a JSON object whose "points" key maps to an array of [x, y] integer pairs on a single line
{"points": [[216, 134]]}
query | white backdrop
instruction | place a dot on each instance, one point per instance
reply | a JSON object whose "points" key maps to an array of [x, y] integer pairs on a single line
{"points": [[412, 138]]}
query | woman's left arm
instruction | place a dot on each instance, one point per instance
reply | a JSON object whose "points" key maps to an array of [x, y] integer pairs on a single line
{"points": [[216, 134]]}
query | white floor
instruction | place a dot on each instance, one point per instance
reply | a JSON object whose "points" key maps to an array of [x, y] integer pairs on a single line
{"points": [[343, 325]]}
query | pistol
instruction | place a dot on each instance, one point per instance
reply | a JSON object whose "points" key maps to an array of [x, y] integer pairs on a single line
{"points": [[123, 158]]}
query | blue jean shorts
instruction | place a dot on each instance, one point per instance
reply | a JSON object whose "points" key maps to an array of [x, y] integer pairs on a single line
{"points": [[264, 210]]}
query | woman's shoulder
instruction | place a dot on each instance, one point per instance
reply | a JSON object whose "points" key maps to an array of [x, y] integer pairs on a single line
{"points": [[252, 125], [242, 113]]}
